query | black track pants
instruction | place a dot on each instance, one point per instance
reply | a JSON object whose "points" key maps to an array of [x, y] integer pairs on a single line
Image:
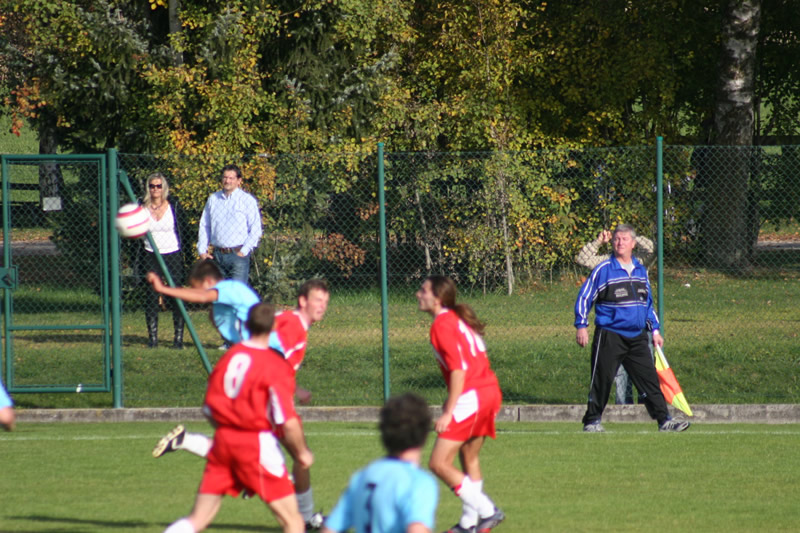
{"points": [[609, 350]]}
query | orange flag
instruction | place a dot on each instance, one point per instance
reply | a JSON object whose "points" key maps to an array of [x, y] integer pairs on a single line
{"points": [[669, 384]]}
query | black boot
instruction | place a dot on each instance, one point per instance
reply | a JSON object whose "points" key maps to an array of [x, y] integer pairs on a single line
{"points": [[152, 329], [177, 320]]}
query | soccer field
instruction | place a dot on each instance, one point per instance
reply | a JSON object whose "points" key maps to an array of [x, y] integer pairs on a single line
{"points": [[546, 476]]}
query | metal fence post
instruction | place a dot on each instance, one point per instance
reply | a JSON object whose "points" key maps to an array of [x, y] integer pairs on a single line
{"points": [[116, 292], [660, 226], [384, 281]]}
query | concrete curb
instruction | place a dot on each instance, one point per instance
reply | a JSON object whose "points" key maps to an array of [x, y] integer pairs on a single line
{"points": [[713, 414]]}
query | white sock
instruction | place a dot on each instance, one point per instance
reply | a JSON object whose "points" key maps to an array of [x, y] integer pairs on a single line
{"points": [[305, 502], [470, 499], [196, 443], [181, 526], [487, 507], [469, 515], [471, 494]]}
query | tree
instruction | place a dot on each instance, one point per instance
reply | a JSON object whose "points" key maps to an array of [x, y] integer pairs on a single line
{"points": [[75, 72], [728, 235]]}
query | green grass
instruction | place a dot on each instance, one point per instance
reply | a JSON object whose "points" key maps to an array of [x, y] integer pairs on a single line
{"points": [[728, 340], [26, 143], [547, 477]]}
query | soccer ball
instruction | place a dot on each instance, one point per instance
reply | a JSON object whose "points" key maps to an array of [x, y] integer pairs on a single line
{"points": [[133, 221]]}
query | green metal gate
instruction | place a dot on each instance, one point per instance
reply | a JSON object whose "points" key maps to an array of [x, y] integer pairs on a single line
{"points": [[55, 276]]}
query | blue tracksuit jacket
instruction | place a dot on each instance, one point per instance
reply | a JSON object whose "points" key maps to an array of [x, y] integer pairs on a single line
{"points": [[622, 303]]}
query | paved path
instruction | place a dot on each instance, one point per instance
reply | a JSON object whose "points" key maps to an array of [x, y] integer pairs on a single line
{"points": [[761, 414]]}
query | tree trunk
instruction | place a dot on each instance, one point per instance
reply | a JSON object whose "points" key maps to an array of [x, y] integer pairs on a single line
{"points": [[50, 179], [727, 244], [174, 8]]}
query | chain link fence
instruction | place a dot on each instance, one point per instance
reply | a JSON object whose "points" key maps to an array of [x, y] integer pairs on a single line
{"points": [[507, 227]]}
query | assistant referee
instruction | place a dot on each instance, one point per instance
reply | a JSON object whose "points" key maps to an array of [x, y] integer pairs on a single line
{"points": [[620, 291]]}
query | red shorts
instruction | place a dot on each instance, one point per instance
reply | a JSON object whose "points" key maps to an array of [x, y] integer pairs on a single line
{"points": [[474, 414], [250, 460]]}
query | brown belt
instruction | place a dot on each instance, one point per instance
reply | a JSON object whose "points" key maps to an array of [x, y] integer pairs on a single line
{"points": [[233, 250]]}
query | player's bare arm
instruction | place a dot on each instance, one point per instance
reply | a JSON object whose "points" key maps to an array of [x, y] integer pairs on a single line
{"points": [[295, 442], [187, 294], [303, 395], [455, 389]]}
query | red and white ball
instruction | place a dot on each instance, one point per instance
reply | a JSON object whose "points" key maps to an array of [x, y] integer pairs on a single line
{"points": [[133, 221]]}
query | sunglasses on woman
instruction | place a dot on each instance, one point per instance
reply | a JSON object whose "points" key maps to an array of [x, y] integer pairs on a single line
{"points": [[156, 186]]}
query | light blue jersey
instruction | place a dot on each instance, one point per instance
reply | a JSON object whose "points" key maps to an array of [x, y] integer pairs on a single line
{"points": [[5, 399], [234, 300], [386, 497]]}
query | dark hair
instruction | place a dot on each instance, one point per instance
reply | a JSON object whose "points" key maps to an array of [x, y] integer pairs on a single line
{"points": [[260, 318], [444, 288], [205, 268], [310, 285], [231, 167], [405, 422]]}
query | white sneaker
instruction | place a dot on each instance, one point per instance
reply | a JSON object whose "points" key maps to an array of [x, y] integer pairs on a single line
{"points": [[170, 441], [674, 425], [594, 427], [315, 522]]}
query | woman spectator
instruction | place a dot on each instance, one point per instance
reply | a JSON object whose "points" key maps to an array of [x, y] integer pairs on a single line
{"points": [[166, 219]]}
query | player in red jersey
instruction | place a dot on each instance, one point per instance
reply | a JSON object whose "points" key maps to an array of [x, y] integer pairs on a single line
{"points": [[250, 401], [288, 337], [473, 401]]}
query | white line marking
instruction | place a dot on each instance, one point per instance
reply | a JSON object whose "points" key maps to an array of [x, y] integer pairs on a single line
{"points": [[367, 433]]}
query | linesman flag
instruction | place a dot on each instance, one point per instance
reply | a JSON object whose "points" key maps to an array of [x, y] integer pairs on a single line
{"points": [[669, 384]]}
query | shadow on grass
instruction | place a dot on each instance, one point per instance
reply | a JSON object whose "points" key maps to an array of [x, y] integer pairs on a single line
{"points": [[125, 524]]}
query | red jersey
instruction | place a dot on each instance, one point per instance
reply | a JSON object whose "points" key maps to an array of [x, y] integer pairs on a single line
{"points": [[458, 347], [250, 389], [289, 336]]}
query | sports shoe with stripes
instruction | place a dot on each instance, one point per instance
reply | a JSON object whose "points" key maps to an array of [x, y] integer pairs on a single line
{"points": [[490, 522], [674, 425], [170, 441]]}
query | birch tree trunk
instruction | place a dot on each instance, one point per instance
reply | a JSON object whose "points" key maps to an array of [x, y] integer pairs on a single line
{"points": [[728, 244]]}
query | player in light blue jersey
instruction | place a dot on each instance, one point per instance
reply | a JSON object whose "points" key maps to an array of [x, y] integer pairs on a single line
{"points": [[7, 416], [392, 494], [230, 299]]}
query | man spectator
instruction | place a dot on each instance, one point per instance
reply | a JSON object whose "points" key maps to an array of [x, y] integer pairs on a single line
{"points": [[231, 223], [620, 292]]}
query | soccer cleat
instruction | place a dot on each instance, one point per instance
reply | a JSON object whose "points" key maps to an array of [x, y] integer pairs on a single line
{"points": [[594, 427], [315, 522], [170, 441], [458, 529], [490, 522], [674, 425]]}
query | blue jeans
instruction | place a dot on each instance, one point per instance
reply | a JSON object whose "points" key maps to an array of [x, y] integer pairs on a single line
{"points": [[233, 266], [624, 387]]}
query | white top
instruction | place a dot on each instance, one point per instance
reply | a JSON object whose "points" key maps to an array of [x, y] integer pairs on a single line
{"points": [[163, 232]]}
